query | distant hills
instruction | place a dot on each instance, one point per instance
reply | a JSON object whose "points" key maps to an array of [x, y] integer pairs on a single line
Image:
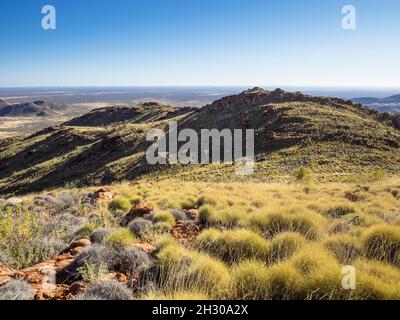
{"points": [[37, 108], [390, 104], [3, 103]]}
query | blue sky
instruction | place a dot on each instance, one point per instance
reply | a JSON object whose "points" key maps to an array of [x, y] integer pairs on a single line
{"points": [[200, 42]]}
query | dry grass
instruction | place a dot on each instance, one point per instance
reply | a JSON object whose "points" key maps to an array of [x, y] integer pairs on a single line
{"points": [[263, 241]]}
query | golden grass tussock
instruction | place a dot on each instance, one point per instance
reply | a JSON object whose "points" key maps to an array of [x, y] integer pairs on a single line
{"points": [[382, 243], [306, 222], [183, 269], [232, 245]]}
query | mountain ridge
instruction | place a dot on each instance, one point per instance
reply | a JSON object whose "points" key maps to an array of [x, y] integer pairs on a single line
{"points": [[37, 108], [333, 136]]}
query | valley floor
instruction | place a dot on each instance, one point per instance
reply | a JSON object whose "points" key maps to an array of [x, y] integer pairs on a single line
{"points": [[185, 240]]}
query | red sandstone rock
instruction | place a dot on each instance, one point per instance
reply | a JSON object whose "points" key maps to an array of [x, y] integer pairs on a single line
{"points": [[104, 193], [137, 211]]}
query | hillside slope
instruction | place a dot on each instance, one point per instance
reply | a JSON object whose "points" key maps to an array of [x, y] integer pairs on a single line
{"points": [[37, 108], [335, 138]]}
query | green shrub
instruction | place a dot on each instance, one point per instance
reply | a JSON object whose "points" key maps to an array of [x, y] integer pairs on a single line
{"points": [[91, 273], [232, 245], [383, 243], [120, 203], [120, 239], [23, 239], [164, 216]]}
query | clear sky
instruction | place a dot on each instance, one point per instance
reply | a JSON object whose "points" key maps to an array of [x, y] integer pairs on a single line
{"points": [[200, 42]]}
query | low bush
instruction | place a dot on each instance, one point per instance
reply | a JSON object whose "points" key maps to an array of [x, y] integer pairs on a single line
{"points": [[16, 290], [90, 273], [160, 228], [284, 282], [96, 256], [100, 235], [179, 215], [232, 245], [107, 290], [131, 261], [139, 227]]}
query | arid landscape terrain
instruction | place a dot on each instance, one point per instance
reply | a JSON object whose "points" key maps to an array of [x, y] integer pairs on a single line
{"points": [[84, 216]]}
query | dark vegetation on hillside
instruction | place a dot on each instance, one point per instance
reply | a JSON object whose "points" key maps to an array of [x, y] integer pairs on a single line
{"points": [[332, 136], [37, 108]]}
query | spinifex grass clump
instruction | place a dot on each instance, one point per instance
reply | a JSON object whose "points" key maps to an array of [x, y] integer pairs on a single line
{"points": [[320, 273], [164, 216], [180, 296], [344, 247], [308, 223], [232, 245], [120, 204], [383, 243], [120, 239], [284, 245], [181, 269], [376, 281], [251, 280]]}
